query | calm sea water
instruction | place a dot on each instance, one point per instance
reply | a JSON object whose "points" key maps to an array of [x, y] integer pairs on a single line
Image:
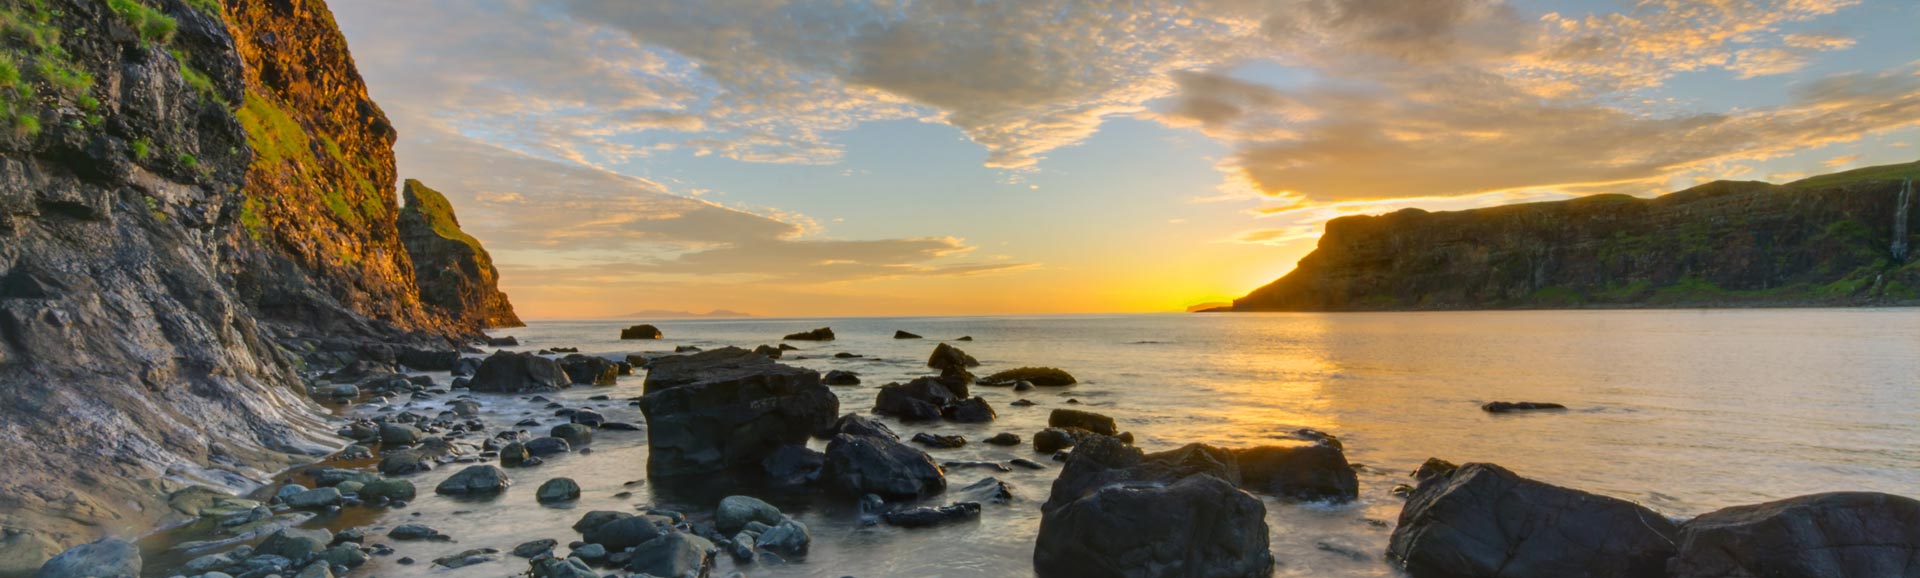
{"points": [[1683, 411]]}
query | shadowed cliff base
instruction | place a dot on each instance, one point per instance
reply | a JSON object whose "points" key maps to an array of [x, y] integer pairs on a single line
{"points": [[1832, 240]]}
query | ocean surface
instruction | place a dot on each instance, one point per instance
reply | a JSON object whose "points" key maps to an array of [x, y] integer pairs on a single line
{"points": [[1683, 411]]}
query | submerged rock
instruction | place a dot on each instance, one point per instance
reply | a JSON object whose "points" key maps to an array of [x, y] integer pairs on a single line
{"points": [[1086, 420], [509, 372], [642, 331], [939, 441], [735, 512], [729, 408], [923, 517], [1003, 439], [1482, 520], [1040, 376], [1506, 406], [885, 467], [1843, 534]]}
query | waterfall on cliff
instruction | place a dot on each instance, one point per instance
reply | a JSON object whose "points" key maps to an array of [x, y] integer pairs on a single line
{"points": [[1900, 222]]}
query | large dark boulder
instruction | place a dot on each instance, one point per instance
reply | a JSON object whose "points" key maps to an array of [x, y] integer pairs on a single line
{"points": [[793, 466], [641, 331], [921, 399], [589, 369], [1836, 535], [947, 357], [1317, 471], [729, 408], [821, 334], [1483, 520], [1086, 420], [971, 410], [509, 372], [1117, 512], [862, 465], [899, 334]]}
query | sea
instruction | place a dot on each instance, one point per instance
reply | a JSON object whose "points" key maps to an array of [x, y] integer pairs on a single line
{"points": [[1683, 411]]}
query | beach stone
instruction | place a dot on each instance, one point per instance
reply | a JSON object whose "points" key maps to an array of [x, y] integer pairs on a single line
{"points": [[972, 410], [466, 367], [587, 417], [509, 372], [295, 544], [789, 537], [897, 334], [675, 554], [596, 518], [313, 499], [726, 408], [514, 454], [1317, 471], [1053, 439], [939, 441], [577, 435], [735, 512], [480, 479], [1086, 420], [1483, 520], [1003, 439], [1196, 526], [467, 558], [876, 465], [535, 547], [559, 568], [547, 446], [1433, 467], [557, 490], [628, 532], [1040, 376], [397, 434], [919, 399], [414, 532], [103, 558], [1832, 535], [988, 490], [401, 490]]}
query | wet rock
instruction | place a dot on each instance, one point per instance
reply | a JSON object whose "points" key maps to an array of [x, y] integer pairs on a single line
{"points": [[1040, 376], [947, 357], [557, 490], [1483, 520], [1052, 439], [735, 512], [1003, 439], [989, 491], [466, 367], [467, 558], [313, 499], [923, 517], [789, 537], [509, 372], [427, 359], [535, 548], [296, 544], [1307, 472], [793, 466], [589, 370], [416, 532], [623, 533], [847, 355], [904, 335], [388, 490], [597, 518], [1117, 512], [920, 399], [939, 441], [474, 480], [955, 465], [972, 410], [642, 331], [1433, 467], [839, 377], [722, 409], [675, 554], [103, 558], [1506, 406], [860, 425], [465, 408], [396, 434], [770, 351], [514, 455], [507, 341], [1022, 403], [547, 446], [591, 553], [558, 568], [1841, 534], [821, 334], [1086, 420], [576, 434], [587, 417], [1026, 463], [877, 465]]}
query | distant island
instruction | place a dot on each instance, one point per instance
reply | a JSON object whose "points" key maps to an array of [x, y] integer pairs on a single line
{"points": [[1841, 239], [1209, 306], [665, 314]]}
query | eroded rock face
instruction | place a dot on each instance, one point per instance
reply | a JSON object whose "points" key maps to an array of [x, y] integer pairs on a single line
{"points": [[1818, 536], [1482, 520], [1115, 511], [454, 273], [729, 408]]}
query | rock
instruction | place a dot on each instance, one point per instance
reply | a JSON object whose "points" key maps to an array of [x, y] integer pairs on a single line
{"points": [[597, 518], [856, 424], [316, 570], [508, 341], [727, 408], [1040, 376], [676, 554], [642, 331], [821, 334], [988, 490], [589, 370], [1053, 439], [467, 366], [1022, 403], [465, 408], [592, 553], [103, 558], [339, 391], [1086, 420], [1308, 472], [427, 359], [396, 434], [1003, 439], [923, 516], [947, 357], [474, 480], [876, 465], [839, 377], [388, 490], [296, 544], [575, 434], [789, 537], [347, 556], [1504, 406], [793, 466], [313, 499], [628, 532], [770, 351], [904, 335], [558, 568], [557, 490], [535, 548], [847, 355], [1196, 526], [508, 372], [467, 558], [1026, 463], [735, 512], [1483, 520], [416, 532], [587, 417], [973, 410], [939, 441], [1841, 534], [920, 399], [547, 446], [1433, 467]]}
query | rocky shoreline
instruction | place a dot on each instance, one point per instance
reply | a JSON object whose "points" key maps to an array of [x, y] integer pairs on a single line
{"points": [[741, 416]]}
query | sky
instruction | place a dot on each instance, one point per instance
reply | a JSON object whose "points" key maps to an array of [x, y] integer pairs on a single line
{"points": [[950, 157]]}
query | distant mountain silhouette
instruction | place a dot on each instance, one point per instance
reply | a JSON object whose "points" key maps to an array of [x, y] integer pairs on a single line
{"points": [[665, 314]]}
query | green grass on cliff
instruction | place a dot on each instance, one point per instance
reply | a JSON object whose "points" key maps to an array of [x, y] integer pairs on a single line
{"points": [[1860, 175], [31, 57], [279, 140], [434, 208], [153, 25]]}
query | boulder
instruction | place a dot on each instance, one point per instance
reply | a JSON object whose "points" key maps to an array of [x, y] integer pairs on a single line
{"points": [[1003, 439], [641, 331], [535, 548], [860, 425], [475, 480], [576, 434], [1086, 420], [1483, 520], [793, 466], [627, 532], [557, 490], [1053, 439], [924, 516], [547, 446], [1100, 461], [734, 512], [509, 372], [1198, 526], [1512, 406], [559, 568], [920, 399], [427, 359], [388, 490], [296, 544], [821, 334], [972, 410], [897, 334], [466, 367], [728, 408], [589, 369], [676, 554], [947, 357], [1040, 376], [1316, 471], [1832, 535], [103, 558], [839, 377], [939, 441], [789, 537], [770, 351], [877, 465]]}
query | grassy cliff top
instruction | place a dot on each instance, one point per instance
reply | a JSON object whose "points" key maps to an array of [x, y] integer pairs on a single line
{"points": [[433, 207]]}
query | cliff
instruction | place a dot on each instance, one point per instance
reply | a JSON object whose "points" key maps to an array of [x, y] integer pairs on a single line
{"points": [[1839, 239], [196, 203], [455, 274]]}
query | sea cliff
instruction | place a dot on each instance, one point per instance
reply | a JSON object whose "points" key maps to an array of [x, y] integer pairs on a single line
{"points": [[1841, 239]]}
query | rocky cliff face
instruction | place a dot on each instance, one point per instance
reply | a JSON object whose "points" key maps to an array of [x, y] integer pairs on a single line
{"points": [[455, 274], [195, 199], [1838, 239]]}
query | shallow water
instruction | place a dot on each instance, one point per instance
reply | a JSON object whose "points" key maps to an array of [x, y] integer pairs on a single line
{"points": [[1683, 411]]}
